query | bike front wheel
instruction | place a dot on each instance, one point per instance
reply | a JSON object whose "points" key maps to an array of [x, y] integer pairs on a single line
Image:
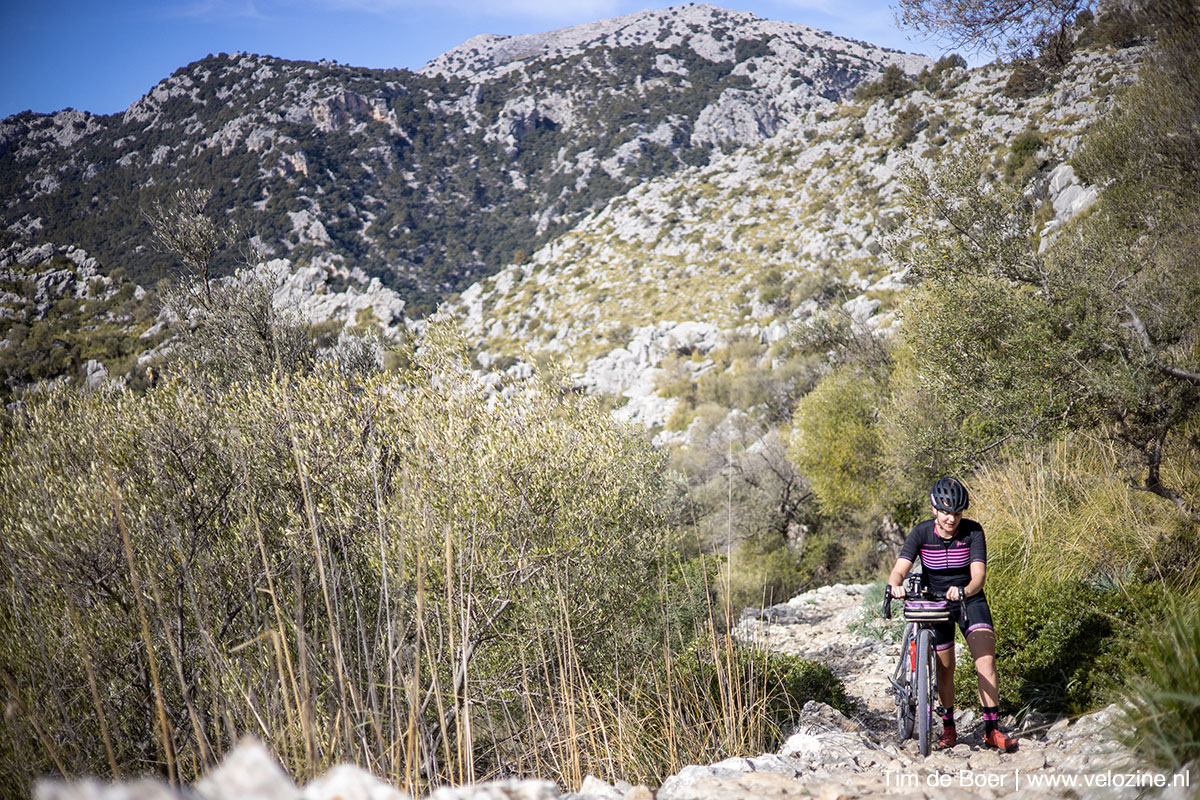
{"points": [[926, 675], [903, 693]]}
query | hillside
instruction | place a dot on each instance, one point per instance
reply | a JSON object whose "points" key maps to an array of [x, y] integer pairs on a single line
{"points": [[657, 286], [429, 179]]}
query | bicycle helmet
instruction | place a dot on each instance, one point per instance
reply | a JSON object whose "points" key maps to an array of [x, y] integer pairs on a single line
{"points": [[949, 495]]}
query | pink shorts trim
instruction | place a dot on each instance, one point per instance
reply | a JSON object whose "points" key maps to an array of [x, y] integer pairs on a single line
{"points": [[982, 626], [942, 647]]}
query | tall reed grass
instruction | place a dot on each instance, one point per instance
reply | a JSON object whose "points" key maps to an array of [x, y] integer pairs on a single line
{"points": [[402, 572], [1066, 511], [1161, 700]]}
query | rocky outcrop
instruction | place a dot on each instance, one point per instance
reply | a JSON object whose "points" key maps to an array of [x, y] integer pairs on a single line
{"points": [[632, 371], [1068, 197]]}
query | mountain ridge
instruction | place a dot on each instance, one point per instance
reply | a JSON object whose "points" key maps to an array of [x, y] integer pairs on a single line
{"points": [[425, 179]]}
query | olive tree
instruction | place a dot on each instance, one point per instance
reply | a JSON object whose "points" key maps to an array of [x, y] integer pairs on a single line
{"points": [[1014, 337]]}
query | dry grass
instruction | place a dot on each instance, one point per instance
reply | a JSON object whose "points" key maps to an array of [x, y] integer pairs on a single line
{"points": [[1066, 512]]}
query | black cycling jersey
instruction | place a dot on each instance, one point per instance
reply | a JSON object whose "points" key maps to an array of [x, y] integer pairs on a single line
{"points": [[946, 562]]}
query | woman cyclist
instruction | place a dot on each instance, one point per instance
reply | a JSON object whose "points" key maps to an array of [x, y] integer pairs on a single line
{"points": [[954, 561]]}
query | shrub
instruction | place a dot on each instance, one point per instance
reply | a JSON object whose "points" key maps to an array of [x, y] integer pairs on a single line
{"points": [[231, 330], [836, 442], [1120, 28], [1026, 80], [908, 124], [1058, 646], [764, 571], [931, 80], [1161, 698], [782, 684], [305, 557], [891, 85], [1021, 162]]}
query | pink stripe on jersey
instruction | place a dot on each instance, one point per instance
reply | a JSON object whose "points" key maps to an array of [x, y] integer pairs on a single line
{"points": [[941, 558]]}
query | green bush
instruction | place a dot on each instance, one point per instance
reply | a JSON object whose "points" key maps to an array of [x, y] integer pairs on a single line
{"points": [[1021, 162], [763, 575], [1059, 646], [779, 684], [1026, 80], [891, 85], [836, 442], [908, 124], [1161, 697], [931, 79]]}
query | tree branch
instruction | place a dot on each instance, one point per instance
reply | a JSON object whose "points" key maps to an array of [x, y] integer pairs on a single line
{"points": [[1183, 375], [1136, 323]]}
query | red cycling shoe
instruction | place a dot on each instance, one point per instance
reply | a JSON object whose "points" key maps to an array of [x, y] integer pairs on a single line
{"points": [[949, 737], [994, 738]]}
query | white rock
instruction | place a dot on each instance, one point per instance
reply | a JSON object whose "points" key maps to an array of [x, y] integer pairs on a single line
{"points": [[95, 374], [348, 782], [499, 790], [144, 789], [594, 787], [248, 772]]}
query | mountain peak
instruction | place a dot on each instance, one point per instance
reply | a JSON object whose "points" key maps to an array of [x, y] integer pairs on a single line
{"points": [[711, 32]]}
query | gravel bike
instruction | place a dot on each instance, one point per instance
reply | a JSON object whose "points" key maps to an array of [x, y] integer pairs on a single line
{"points": [[914, 681]]}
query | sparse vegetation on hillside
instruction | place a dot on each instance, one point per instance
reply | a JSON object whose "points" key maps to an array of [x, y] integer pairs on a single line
{"points": [[55, 317]]}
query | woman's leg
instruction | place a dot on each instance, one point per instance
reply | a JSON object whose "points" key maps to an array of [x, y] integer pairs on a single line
{"points": [[982, 642], [945, 675]]}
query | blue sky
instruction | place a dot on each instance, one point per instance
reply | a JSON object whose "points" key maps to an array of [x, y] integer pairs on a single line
{"points": [[101, 55]]}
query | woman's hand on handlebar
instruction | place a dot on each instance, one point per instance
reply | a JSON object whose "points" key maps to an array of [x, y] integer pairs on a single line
{"points": [[954, 594], [896, 591]]}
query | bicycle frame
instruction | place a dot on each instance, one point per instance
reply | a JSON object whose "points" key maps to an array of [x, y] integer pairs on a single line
{"points": [[914, 681]]}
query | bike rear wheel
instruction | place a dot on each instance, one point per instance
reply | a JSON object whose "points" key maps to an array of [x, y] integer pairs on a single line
{"points": [[904, 718], [926, 675]]}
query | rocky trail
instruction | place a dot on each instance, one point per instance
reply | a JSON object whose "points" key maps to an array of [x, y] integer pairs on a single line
{"points": [[832, 756], [829, 756]]}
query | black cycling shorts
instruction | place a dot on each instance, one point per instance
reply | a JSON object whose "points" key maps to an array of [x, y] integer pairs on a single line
{"points": [[979, 617]]}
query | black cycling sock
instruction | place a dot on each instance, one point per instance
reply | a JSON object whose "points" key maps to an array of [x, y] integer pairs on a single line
{"points": [[991, 717], [947, 717]]}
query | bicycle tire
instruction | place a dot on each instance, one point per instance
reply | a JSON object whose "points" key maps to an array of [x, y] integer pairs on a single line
{"points": [[905, 707], [904, 718], [925, 677]]}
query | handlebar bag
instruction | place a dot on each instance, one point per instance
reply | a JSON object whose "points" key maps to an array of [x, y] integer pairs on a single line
{"points": [[927, 610]]}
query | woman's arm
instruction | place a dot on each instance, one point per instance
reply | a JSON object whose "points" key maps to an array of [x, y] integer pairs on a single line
{"points": [[899, 572], [975, 585], [978, 576]]}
